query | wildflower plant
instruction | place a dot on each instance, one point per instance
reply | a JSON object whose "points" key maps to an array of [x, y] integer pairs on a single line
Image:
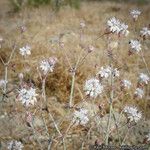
{"points": [[107, 87]]}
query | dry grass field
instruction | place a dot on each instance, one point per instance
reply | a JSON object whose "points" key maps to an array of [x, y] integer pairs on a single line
{"points": [[59, 35]]}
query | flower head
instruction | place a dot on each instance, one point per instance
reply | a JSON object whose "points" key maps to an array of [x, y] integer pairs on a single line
{"points": [[135, 13], [145, 32], [126, 84], [132, 113], [81, 117], [115, 26], [93, 87], [143, 78], [48, 65], [82, 24], [27, 96], [139, 93], [15, 145], [24, 51], [107, 71], [135, 45]]}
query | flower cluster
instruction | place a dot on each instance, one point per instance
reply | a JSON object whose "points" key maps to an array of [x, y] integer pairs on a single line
{"points": [[15, 145], [143, 78], [145, 32], [81, 117], [132, 113], [27, 96], [24, 51], [135, 45], [93, 87], [126, 84], [107, 71], [139, 92], [135, 14], [47, 65], [115, 26]]}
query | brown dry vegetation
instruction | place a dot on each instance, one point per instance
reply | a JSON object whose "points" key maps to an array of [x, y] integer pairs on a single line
{"points": [[43, 30]]}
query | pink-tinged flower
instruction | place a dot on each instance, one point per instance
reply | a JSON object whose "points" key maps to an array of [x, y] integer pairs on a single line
{"points": [[90, 48], [132, 113], [23, 28], [15, 145], [93, 87], [139, 92], [81, 117], [135, 46], [47, 65], [135, 13], [27, 95], [24, 51], [29, 117]]}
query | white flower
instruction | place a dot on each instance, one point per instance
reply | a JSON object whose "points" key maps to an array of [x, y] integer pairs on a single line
{"points": [[139, 92], [126, 84], [24, 51], [135, 13], [90, 48], [93, 87], [135, 45], [27, 96], [48, 65], [115, 72], [82, 24], [1, 39], [148, 136], [124, 29], [144, 78], [132, 113], [81, 117], [106, 72], [3, 83], [20, 75], [115, 26], [15, 145], [145, 32]]}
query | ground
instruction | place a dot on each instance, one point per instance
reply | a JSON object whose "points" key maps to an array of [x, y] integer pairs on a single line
{"points": [[44, 27]]}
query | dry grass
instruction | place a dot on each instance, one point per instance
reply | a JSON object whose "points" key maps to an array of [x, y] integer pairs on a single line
{"points": [[43, 30]]}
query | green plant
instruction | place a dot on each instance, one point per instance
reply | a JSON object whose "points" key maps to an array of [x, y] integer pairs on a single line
{"points": [[55, 4]]}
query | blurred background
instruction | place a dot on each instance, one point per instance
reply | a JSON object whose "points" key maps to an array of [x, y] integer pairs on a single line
{"points": [[56, 4]]}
